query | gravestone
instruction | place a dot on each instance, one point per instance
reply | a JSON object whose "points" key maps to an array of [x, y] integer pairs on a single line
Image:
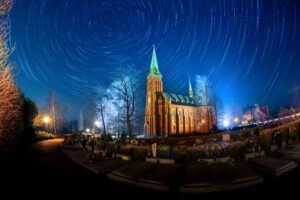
{"points": [[134, 142], [164, 151], [154, 150], [198, 141], [226, 137]]}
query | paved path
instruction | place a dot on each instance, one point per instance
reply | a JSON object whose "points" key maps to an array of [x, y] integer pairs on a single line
{"points": [[44, 169]]}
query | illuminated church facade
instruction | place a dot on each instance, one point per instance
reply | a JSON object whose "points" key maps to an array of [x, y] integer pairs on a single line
{"points": [[170, 114]]}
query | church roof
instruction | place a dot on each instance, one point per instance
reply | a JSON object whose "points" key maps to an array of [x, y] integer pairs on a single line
{"points": [[154, 70], [183, 100]]}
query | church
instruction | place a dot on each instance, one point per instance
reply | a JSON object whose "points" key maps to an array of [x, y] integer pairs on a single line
{"points": [[170, 114]]}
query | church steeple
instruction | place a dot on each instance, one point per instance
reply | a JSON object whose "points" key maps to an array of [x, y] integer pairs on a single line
{"points": [[154, 71], [191, 93]]}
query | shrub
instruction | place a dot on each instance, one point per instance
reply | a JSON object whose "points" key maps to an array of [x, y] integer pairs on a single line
{"points": [[107, 138], [140, 153], [43, 135], [110, 149]]}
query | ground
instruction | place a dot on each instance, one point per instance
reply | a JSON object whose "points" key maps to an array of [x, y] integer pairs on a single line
{"points": [[43, 169]]}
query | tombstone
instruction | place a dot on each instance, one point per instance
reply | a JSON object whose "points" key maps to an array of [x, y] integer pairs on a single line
{"points": [[154, 150], [134, 142], [287, 136], [198, 141], [274, 138], [226, 138], [164, 151], [181, 142], [278, 139]]}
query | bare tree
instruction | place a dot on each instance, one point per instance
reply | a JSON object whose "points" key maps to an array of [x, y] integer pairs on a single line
{"points": [[218, 107], [115, 113], [57, 111], [89, 112], [101, 105], [124, 89], [80, 121], [5, 5], [283, 111], [11, 101], [204, 91]]}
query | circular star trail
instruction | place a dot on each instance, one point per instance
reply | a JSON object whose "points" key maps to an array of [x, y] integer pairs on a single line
{"points": [[248, 48]]}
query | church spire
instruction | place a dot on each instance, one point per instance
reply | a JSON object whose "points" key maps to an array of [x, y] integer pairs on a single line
{"points": [[154, 71], [191, 93]]}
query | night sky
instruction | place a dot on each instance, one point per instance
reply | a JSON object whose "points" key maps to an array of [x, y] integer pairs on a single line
{"points": [[250, 49]]}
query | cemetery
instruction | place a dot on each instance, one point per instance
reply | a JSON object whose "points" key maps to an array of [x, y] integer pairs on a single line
{"points": [[192, 164]]}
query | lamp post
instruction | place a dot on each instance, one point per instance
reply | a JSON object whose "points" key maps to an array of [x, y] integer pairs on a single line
{"points": [[97, 125], [236, 121], [226, 123], [46, 120]]}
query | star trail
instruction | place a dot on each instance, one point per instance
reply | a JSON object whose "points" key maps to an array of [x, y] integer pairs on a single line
{"points": [[248, 48]]}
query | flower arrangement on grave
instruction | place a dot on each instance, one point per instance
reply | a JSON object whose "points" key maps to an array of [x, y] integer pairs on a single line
{"points": [[253, 145], [128, 146], [225, 148], [215, 150], [124, 149], [203, 150], [225, 145]]}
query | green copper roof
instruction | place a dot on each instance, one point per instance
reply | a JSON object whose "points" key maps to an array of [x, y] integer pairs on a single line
{"points": [[154, 71]]}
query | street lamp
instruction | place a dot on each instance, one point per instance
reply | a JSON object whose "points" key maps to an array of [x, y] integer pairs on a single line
{"points": [[97, 123], [97, 126], [236, 120], [226, 123], [46, 120]]}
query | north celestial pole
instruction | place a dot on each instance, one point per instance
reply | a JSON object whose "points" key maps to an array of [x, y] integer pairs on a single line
{"points": [[250, 49]]}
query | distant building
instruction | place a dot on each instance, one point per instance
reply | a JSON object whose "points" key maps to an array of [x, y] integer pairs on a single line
{"points": [[282, 112], [169, 114], [255, 113]]}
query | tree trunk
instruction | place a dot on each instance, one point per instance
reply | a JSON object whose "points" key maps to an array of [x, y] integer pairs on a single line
{"points": [[208, 117], [129, 127], [103, 122]]}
